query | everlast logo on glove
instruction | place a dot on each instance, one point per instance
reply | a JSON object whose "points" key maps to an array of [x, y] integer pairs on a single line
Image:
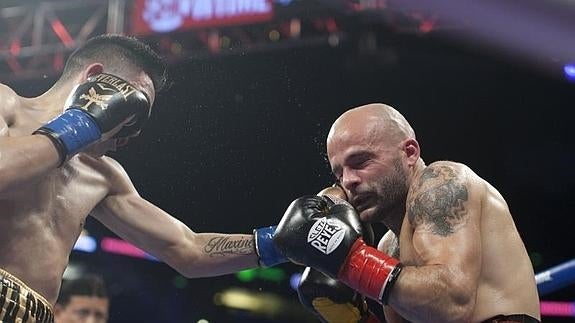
{"points": [[102, 91], [325, 235], [94, 97], [119, 85]]}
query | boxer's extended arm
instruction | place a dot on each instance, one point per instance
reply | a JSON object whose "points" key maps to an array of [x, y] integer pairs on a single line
{"points": [[155, 231], [192, 254], [21, 158], [444, 211]]}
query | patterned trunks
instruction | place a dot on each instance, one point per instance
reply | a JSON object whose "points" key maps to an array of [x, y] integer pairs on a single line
{"points": [[21, 304]]}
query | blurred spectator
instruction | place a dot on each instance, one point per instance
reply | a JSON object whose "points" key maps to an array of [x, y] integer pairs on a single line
{"points": [[82, 300]]}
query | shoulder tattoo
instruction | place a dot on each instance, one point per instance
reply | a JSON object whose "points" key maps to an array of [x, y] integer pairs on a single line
{"points": [[438, 201]]}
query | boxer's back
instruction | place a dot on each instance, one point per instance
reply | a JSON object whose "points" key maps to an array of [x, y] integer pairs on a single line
{"points": [[506, 283], [42, 219]]}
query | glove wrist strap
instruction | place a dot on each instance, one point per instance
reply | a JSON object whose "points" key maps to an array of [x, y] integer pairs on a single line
{"points": [[369, 271], [266, 251], [71, 131]]}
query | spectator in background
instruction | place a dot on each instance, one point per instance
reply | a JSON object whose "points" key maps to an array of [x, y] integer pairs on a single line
{"points": [[82, 300]]}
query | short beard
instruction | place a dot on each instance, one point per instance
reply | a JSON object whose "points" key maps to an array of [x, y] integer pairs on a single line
{"points": [[392, 193]]}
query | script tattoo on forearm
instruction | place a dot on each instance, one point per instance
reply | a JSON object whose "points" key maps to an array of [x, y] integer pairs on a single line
{"points": [[222, 246], [438, 202]]}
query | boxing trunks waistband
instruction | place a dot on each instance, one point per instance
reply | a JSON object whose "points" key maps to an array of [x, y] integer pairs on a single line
{"points": [[515, 318], [21, 304]]}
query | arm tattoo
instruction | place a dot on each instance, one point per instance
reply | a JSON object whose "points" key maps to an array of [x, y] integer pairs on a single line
{"points": [[223, 245], [438, 201]]}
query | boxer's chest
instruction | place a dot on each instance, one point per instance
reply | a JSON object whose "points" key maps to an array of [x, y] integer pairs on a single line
{"points": [[63, 197], [70, 190], [58, 201]]}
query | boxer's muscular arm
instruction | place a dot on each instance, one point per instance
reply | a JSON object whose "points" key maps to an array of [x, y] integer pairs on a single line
{"points": [[21, 158], [155, 231], [444, 211]]}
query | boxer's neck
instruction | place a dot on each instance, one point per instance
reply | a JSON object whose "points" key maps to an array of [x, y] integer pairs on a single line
{"points": [[394, 220], [52, 101]]}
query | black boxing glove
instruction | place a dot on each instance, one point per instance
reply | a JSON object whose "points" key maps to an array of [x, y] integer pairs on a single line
{"points": [[331, 300], [329, 238], [95, 110]]}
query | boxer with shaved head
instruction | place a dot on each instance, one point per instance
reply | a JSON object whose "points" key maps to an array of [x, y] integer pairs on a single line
{"points": [[452, 252]]}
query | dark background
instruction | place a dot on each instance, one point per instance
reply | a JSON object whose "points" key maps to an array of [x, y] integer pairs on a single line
{"points": [[236, 138]]}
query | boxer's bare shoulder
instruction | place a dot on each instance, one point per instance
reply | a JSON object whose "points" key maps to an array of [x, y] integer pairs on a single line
{"points": [[9, 103]]}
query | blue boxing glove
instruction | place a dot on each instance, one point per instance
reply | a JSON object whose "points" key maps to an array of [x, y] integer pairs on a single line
{"points": [[268, 254], [102, 107]]}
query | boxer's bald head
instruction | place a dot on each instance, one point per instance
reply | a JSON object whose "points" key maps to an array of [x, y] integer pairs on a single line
{"points": [[377, 121], [372, 151]]}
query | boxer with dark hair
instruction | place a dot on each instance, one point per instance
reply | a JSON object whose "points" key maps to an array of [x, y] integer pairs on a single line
{"points": [[54, 173], [452, 252]]}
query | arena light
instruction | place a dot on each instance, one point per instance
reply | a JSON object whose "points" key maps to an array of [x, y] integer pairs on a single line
{"points": [[274, 274], [15, 47], [569, 70], [295, 28], [536, 31], [85, 243], [256, 302], [62, 33], [247, 275], [124, 248], [565, 309], [238, 299], [268, 274]]}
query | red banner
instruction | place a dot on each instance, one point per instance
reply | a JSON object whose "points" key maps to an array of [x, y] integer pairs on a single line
{"points": [[161, 16]]}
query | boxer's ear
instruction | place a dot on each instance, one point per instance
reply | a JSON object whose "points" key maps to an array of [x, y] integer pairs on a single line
{"points": [[412, 151], [91, 70]]}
